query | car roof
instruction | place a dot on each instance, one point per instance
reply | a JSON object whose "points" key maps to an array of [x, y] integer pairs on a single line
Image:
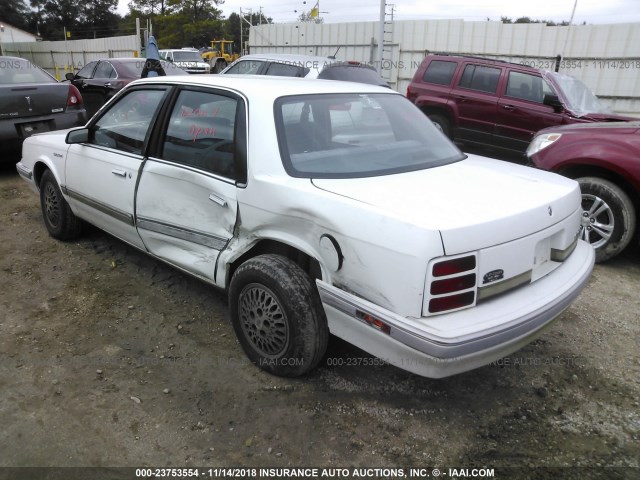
{"points": [[269, 88], [314, 63], [286, 57]]}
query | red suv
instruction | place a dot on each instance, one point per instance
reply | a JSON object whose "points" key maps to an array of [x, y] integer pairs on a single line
{"points": [[605, 160], [499, 104]]}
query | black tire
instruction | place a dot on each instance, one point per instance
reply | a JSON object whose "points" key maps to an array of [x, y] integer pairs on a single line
{"points": [[277, 315], [441, 123], [219, 66], [60, 221], [609, 217]]}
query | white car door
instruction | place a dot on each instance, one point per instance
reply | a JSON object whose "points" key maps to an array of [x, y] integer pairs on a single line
{"points": [[186, 199], [101, 174]]}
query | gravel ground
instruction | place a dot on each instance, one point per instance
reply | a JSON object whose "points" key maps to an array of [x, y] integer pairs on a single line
{"points": [[110, 358]]}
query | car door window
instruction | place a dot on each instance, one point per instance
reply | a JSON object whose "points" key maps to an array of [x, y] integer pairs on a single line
{"points": [[104, 70], [201, 132], [245, 67], [439, 72], [527, 87], [86, 71], [124, 126], [286, 70], [480, 77]]}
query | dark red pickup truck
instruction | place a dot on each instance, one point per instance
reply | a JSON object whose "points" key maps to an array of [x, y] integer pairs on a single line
{"points": [[605, 160]]}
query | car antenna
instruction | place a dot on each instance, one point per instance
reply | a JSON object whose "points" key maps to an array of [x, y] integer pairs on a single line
{"points": [[333, 57]]}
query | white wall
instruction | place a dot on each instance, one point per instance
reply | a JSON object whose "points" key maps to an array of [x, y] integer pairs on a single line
{"points": [[9, 34], [58, 57], [605, 57]]}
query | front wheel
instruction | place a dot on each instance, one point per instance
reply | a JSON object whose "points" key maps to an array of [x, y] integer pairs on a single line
{"points": [[60, 221], [608, 217], [277, 315]]}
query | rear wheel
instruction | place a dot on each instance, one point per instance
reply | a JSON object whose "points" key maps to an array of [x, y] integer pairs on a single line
{"points": [[441, 123], [219, 66], [56, 212], [277, 315], [608, 217]]}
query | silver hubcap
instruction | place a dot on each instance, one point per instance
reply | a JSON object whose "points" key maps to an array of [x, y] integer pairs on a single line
{"points": [[263, 320], [51, 205], [597, 221]]}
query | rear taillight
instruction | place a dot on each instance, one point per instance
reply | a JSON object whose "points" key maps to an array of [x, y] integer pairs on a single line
{"points": [[452, 284], [74, 99]]}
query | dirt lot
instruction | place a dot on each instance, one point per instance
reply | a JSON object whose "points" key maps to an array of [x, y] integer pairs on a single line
{"points": [[110, 358]]}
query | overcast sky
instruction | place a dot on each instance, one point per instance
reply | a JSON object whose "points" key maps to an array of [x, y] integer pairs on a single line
{"points": [[590, 11]]}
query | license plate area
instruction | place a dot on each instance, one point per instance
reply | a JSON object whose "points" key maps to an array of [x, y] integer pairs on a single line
{"points": [[542, 263], [31, 128]]}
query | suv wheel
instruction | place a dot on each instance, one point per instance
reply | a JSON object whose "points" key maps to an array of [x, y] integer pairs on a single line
{"points": [[608, 217], [441, 123]]}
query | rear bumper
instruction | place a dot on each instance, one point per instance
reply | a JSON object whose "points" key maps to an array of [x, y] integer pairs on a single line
{"points": [[11, 132], [426, 347]]}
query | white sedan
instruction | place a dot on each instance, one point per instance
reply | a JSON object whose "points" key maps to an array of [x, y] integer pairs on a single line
{"points": [[322, 207]]}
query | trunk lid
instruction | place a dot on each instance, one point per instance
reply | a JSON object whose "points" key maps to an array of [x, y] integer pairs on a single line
{"points": [[29, 100], [475, 204]]}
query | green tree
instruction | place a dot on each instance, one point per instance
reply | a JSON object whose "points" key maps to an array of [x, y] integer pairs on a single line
{"points": [[150, 8], [237, 26], [15, 13]]}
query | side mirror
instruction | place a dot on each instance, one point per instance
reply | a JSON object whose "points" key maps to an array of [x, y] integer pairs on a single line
{"points": [[553, 101], [80, 135], [69, 76]]}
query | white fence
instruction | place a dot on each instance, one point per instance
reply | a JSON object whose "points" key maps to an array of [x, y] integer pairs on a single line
{"points": [[605, 57], [61, 56]]}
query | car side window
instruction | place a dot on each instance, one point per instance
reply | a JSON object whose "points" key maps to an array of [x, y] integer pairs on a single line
{"points": [[439, 72], [104, 70], [480, 77], [245, 67], [124, 126], [286, 70], [201, 132], [87, 70], [527, 87]]}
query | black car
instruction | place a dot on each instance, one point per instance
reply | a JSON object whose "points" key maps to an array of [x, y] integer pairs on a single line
{"points": [[102, 79], [32, 101]]}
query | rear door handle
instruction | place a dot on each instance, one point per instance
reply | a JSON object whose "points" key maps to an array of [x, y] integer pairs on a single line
{"points": [[511, 108], [107, 85], [120, 173], [217, 199]]}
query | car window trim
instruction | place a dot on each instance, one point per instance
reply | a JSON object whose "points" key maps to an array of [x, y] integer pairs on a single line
{"points": [[240, 133], [154, 119]]}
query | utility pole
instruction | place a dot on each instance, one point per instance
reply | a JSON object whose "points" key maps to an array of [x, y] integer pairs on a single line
{"points": [[383, 6]]}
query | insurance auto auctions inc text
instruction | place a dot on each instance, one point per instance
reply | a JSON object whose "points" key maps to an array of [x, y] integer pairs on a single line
{"points": [[389, 473]]}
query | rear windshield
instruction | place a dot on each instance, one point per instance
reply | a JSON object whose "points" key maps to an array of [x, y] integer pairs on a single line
{"points": [[357, 135], [17, 70], [353, 73], [133, 68], [187, 56]]}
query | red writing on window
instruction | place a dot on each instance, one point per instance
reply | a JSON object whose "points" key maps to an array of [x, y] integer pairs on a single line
{"points": [[195, 131], [196, 112]]}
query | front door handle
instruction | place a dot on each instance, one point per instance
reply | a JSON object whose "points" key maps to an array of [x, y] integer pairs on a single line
{"points": [[511, 108], [120, 173], [217, 199], [107, 85]]}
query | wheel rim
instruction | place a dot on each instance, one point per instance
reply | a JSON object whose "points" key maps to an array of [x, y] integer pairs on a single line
{"points": [[51, 205], [597, 220], [263, 320], [438, 126]]}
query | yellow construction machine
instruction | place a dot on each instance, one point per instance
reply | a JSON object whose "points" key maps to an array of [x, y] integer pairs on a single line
{"points": [[220, 55]]}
